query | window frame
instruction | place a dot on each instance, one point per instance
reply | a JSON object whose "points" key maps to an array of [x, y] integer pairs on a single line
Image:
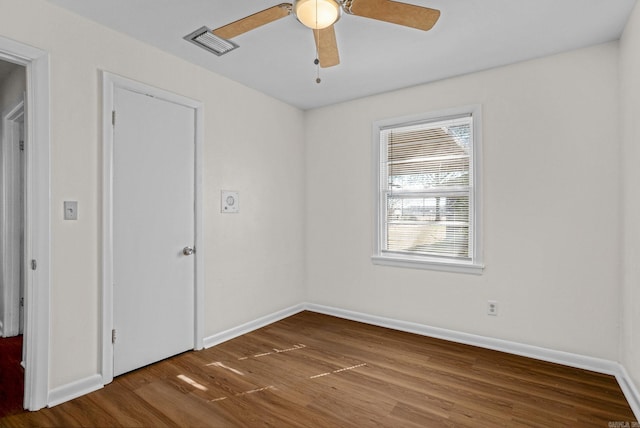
{"points": [[475, 264]]}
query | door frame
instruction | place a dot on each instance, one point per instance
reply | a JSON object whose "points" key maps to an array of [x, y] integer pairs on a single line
{"points": [[110, 82], [37, 219]]}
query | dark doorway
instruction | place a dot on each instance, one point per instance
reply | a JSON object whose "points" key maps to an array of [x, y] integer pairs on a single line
{"points": [[11, 376]]}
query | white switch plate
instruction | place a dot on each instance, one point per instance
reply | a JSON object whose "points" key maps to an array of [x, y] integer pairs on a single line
{"points": [[70, 210], [229, 201]]}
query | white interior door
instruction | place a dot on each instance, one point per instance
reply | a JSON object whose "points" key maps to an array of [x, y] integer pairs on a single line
{"points": [[153, 222], [12, 212]]}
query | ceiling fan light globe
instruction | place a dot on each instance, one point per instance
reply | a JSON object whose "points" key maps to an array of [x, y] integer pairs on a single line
{"points": [[328, 12]]}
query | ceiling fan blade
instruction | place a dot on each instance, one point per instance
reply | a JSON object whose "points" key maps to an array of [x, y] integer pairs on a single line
{"points": [[254, 21], [409, 15], [327, 46]]}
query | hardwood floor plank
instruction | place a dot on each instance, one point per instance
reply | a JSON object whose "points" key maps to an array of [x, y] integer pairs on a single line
{"points": [[126, 408], [175, 405], [313, 370]]}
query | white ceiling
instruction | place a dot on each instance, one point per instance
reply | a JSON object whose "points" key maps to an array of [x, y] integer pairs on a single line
{"points": [[376, 57]]}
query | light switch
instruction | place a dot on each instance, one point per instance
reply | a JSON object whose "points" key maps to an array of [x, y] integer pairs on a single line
{"points": [[70, 210]]}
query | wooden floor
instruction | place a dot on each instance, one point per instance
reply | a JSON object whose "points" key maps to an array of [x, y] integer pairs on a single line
{"points": [[312, 370]]}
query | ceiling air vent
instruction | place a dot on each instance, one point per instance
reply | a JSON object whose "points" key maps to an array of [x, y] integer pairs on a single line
{"points": [[204, 38]]}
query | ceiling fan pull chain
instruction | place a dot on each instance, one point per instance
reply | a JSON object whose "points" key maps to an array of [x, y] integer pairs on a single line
{"points": [[317, 60]]}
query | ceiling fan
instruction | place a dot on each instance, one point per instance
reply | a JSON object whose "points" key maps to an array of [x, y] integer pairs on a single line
{"points": [[321, 15]]}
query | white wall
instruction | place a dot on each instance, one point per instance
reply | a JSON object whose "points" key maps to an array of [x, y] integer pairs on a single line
{"points": [[551, 207], [630, 113], [251, 270]]}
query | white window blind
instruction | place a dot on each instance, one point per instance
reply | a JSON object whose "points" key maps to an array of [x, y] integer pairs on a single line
{"points": [[426, 195]]}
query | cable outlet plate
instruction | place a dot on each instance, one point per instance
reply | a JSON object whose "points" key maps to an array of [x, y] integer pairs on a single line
{"points": [[229, 201]]}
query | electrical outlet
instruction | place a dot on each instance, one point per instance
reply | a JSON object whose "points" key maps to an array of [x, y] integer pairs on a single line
{"points": [[492, 308]]}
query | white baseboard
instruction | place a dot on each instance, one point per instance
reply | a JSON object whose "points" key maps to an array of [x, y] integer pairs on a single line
{"points": [[629, 389], [74, 390], [560, 357], [234, 332]]}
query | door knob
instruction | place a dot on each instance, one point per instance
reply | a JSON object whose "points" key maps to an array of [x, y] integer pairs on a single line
{"points": [[187, 251]]}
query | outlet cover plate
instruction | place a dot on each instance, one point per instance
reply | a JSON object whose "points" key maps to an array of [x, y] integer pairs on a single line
{"points": [[492, 308]]}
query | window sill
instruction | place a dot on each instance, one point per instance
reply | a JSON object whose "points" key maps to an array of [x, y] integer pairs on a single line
{"points": [[405, 262]]}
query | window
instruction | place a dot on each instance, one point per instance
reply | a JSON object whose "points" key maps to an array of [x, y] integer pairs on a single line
{"points": [[427, 193]]}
